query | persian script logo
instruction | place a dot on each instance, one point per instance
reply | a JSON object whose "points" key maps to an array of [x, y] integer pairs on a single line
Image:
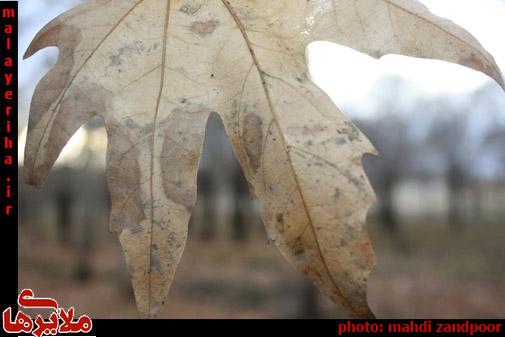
{"points": [[60, 321]]}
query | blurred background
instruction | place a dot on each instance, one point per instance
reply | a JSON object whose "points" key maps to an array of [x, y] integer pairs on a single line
{"points": [[438, 228]]}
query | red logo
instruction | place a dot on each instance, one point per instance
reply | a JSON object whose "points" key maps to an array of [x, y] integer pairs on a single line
{"points": [[60, 321]]}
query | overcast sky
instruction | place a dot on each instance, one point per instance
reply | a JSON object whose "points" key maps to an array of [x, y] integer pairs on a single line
{"points": [[346, 75], [349, 80]]}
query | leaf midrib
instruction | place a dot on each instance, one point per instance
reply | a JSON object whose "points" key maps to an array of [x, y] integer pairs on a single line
{"points": [[153, 141], [243, 31]]}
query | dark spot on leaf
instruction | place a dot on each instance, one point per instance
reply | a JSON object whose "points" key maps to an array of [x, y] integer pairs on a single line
{"points": [[190, 9], [252, 139], [124, 185], [155, 263], [180, 155], [298, 247], [351, 131], [115, 60], [337, 194], [204, 27], [280, 222]]}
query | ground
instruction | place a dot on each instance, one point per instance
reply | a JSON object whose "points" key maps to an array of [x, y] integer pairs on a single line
{"points": [[430, 271]]}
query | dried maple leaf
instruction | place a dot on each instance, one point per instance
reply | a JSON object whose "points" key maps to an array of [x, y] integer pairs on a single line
{"points": [[155, 69]]}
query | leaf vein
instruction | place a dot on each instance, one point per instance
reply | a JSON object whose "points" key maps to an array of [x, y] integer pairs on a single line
{"points": [[153, 142], [276, 121], [65, 90]]}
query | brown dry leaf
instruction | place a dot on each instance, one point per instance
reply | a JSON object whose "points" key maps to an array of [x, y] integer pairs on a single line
{"points": [[155, 69]]}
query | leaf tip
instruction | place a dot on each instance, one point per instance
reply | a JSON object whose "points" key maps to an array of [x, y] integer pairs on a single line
{"points": [[29, 51], [495, 73], [501, 82], [32, 49], [368, 314], [46, 37], [148, 314], [145, 307]]}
